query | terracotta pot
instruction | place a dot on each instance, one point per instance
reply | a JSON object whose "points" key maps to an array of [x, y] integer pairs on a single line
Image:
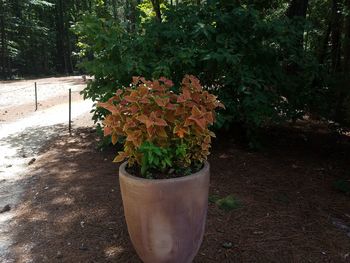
{"points": [[166, 217]]}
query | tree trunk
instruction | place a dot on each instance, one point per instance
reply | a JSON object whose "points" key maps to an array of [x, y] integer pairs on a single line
{"points": [[297, 8], [336, 48], [62, 38], [3, 42], [346, 63], [132, 15], [69, 54], [336, 35], [156, 8], [324, 46]]}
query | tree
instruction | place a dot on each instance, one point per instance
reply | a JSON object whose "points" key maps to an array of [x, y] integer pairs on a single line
{"points": [[336, 31], [156, 8], [297, 9]]}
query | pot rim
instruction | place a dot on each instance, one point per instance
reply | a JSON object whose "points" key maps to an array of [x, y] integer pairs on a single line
{"points": [[201, 172]]}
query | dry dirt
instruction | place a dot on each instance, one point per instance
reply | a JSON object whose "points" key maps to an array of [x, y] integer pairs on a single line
{"points": [[289, 211]]}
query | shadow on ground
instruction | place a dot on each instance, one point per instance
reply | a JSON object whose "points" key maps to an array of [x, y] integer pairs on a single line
{"points": [[72, 212], [31, 140]]}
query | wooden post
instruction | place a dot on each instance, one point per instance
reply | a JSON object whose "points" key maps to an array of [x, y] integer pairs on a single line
{"points": [[36, 97], [70, 112]]}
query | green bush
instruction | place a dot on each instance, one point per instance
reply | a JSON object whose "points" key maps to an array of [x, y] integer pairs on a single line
{"points": [[252, 62]]}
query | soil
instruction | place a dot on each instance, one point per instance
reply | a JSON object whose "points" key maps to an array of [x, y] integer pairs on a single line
{"points": [[290, 211], [135, 170]]}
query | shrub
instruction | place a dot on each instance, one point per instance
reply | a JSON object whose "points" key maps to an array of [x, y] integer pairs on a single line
{"points": [[244, 58], [162, 130]]}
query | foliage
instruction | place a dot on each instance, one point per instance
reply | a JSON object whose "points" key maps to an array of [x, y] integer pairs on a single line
{"points": [[162, 129], [239, 55], [268, 61], [227, 203]]}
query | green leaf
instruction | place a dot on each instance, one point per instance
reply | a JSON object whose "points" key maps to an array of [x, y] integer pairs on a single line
{"points": [[228, 203]]}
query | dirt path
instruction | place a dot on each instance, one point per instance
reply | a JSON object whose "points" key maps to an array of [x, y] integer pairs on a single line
{"points": [[24, 132]]}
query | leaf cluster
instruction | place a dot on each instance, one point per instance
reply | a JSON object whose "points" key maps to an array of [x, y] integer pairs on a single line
{"points": [[162, 129], [239, 55]]}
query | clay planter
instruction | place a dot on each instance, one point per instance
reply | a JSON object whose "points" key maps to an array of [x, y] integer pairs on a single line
{"points": [[166, 217]]}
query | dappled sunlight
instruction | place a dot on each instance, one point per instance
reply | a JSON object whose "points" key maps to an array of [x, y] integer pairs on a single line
{"points": [[63, 200], [113, 251], [73, 206], [38, 216], [72, 150]]}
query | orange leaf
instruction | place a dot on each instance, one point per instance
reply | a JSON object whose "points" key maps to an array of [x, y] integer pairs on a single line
{"points": [[130, 98], [135, 80], [220, 105], [114, 138], [161, 132], [119, 92], [108, 106], [107, 131], [201, 122], [151, 131], [161, 102], [135, 137], [195, 111], [167, 82], [160, 122], [181, 132], [171, 106], [209, 117], [134, 109], [196, 97], [120, 157], [145, 100], [186, 93], [145, 120], [188, 122], [181, 99], [180, 110]]}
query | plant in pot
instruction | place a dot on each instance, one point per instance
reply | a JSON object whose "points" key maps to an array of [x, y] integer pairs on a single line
{"points": [[165, 180]]}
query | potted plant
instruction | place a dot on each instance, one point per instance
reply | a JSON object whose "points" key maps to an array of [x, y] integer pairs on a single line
{"points": [[165, 181]]}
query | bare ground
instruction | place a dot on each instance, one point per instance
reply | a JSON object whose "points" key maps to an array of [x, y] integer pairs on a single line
{"points": [[289, 212], [23, 131], [68, 207]]}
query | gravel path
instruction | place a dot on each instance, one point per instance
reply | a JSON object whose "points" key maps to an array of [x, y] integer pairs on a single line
{"points": [[21, 139]]}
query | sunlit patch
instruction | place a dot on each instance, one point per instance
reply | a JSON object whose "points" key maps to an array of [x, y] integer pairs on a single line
{"points": [[24, 252], [38, 216], [74, 150], [75, 189], [113, 251], [63, 200]]}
